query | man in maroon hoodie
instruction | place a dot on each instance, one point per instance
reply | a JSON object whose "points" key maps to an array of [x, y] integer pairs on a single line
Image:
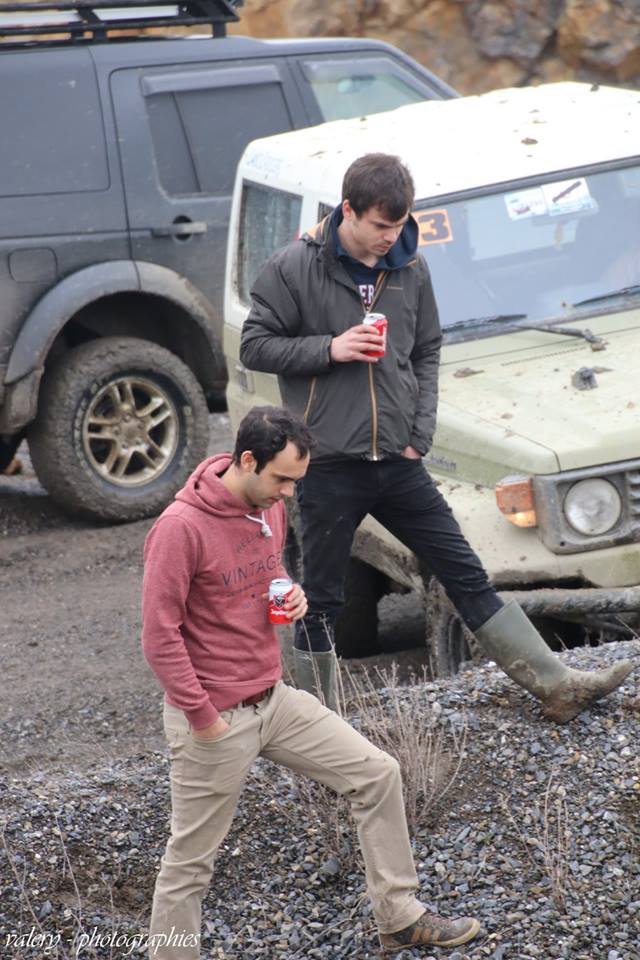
{"points": [[209, 559]]}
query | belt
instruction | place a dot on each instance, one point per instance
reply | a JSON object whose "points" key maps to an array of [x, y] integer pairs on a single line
{"points": [[256, 698]]}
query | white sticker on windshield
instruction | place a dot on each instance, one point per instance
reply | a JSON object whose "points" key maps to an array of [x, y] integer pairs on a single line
{"points": [[551, 199], [568, 196], [526, 203]]}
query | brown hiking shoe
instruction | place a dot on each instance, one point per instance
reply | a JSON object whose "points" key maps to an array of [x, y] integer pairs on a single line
{"points": [[430, 929]]}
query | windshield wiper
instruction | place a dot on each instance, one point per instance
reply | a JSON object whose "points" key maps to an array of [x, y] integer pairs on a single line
{"points": [[597, 343], [612, 295]]}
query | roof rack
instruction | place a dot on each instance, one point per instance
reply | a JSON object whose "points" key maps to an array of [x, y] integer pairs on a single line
{"points": [[99, 20]]}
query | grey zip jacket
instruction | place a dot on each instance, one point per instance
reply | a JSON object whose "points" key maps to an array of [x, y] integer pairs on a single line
{"points": [[301, 300]]}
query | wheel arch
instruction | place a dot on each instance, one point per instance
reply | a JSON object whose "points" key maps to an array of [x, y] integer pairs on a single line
{"points": [[152, 302]]}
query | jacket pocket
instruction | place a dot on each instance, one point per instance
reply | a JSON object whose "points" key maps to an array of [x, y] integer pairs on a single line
{"points": [[408, 379], [406, 401]]}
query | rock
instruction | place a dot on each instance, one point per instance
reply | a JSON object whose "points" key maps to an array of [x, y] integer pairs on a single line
{"points": [[330, 867], [513, 28], [476, 45], [603, 35]]}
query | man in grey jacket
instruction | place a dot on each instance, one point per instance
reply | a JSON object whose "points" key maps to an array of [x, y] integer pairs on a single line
{"points": [[373, 419]]}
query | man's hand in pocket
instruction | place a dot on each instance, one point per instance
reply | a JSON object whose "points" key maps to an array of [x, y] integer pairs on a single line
{"points": [[213, 732]]}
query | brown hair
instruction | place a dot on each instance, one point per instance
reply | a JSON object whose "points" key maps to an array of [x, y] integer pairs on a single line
{"points": [[379, 180], [265, 431]]}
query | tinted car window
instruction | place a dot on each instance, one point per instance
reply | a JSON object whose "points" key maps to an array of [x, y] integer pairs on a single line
{"points": [[269, 219], [173, 158], [52, 138], [198, 139], [355, 87]]}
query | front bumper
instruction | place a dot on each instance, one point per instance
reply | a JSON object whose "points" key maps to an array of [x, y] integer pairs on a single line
{"points": [[575, 604]]}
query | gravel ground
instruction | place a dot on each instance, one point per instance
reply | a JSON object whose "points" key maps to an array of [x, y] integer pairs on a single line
{"points": [[539, 837]]}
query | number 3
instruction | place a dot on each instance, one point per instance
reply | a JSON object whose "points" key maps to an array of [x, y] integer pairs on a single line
{"points": [[434, 226]]}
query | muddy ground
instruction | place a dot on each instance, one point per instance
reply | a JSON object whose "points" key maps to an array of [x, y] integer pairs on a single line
{"points": [[74, 686]]}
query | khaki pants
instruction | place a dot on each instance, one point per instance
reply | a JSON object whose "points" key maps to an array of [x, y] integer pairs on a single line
{"points": [[290, 727]]}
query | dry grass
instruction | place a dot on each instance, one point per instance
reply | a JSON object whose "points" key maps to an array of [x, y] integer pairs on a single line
{"points": [[395, 719], [546, 839]]}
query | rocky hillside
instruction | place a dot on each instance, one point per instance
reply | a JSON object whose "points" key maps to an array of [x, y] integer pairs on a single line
{"points": [[476, 45]]}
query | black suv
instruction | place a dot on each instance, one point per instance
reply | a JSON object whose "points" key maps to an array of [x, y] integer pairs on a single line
{"points": [[117, 159]]}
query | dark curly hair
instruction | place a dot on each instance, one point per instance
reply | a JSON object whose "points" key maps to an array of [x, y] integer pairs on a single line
{"points": [[265, 431]]}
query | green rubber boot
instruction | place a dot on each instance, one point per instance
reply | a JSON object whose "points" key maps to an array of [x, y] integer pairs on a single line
{"points": [[316, 673], [510, 639]]}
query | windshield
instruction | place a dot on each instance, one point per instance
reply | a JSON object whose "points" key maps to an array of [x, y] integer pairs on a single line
{"points": [[534, 251]]}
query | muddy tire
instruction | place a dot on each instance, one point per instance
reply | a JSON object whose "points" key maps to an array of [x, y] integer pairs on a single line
{"points": [[449, 641], [357, 625], [121, 423]]}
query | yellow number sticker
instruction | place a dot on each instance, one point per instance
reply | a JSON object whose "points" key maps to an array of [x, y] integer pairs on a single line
{"points": [[434, 226]]}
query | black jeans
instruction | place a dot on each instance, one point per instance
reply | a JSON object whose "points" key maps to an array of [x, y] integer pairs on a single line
{"points": [[335, 497]]}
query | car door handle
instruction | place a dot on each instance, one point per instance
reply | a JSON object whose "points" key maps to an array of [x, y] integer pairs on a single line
{"points": [[180, 229]]}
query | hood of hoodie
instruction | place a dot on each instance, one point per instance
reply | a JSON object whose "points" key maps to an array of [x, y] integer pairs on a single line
{"points": [[400, 254], [205, 490]]}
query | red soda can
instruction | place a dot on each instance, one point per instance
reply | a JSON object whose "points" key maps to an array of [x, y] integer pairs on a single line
{"points": [[279, 592], [380, 322]]}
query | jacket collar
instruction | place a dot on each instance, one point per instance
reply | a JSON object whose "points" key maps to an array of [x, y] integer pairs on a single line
{"points": [[402, 254]]}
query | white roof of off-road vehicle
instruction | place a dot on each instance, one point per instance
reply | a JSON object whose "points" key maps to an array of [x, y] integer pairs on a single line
{"points": [[454, 145]]}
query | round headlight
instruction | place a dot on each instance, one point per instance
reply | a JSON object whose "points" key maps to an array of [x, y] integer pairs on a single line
{"points": [[592, 507]]}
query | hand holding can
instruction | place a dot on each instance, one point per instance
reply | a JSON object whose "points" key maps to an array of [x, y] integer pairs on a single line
{"points": [[279, 592], [380, 322]]}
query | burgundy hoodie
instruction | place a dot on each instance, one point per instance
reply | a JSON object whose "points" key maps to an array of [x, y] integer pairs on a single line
{"points": [[206, 633]]}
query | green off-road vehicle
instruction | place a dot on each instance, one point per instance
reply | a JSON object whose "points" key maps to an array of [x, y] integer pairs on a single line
{"points": [[529, 214]]}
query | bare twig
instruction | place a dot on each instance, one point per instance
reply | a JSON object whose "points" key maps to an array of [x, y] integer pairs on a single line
{"points": [[398, 722], [551, 839]]}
